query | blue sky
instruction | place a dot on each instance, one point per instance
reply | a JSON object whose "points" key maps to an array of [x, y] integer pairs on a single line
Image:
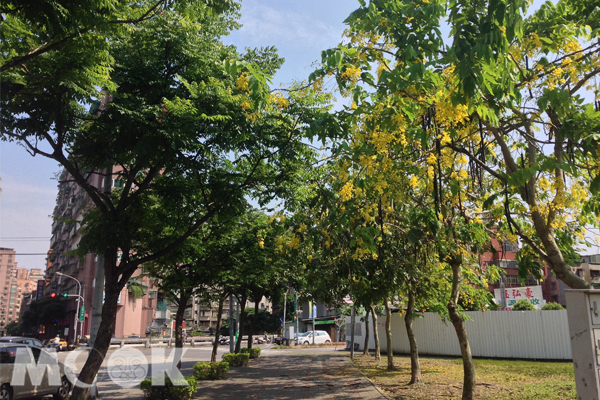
{"points": [[299, 29]]}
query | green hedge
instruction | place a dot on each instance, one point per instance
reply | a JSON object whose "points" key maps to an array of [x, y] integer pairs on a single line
{"points": [[169, 390], [552, 306], [211, 371], [236, 360], [523, 305], [253, 352]]}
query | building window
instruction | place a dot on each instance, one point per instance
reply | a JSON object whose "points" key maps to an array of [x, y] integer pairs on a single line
{"points": [[507, 246]]}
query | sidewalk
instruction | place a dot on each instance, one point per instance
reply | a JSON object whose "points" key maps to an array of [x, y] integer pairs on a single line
{"points": [[293, 374]]}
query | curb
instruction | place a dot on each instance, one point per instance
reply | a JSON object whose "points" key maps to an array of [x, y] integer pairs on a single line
{"points": [[381, 392]]}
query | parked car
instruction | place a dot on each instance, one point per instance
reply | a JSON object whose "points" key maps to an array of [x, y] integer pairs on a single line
{"points": [[9, 390], [307, 337], [22, 339]]}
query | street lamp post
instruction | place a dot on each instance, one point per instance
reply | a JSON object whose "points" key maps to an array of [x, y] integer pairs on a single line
{"points": [[78, 300]]}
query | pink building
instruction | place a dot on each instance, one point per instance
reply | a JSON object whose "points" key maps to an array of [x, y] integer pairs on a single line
{"points": [[133, 314]]}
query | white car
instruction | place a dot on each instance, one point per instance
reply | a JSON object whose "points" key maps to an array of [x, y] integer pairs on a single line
{"points": [[307, 337], [53, 380]]}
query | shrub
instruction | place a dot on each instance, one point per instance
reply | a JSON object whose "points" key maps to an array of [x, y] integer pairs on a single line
{"points": [[211, 371], [169, 390], [236, 360], [552, 306], [253, 352], [523, 305]]}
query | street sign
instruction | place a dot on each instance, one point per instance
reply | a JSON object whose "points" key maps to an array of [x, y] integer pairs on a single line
{"points": [[41, 284], [82, 313], [281, 320]]}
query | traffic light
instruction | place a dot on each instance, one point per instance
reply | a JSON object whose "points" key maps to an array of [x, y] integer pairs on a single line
{"points": [[53, 295]]}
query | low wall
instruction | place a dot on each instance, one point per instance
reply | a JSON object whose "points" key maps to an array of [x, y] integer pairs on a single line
{"points": [[493, 334]]}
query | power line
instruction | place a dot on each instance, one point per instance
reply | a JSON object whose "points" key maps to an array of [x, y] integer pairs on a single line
{"points": [[23, 237], [24, 240]]}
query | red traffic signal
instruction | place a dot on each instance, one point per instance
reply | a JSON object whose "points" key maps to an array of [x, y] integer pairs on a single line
{"points": [[53, 295]]}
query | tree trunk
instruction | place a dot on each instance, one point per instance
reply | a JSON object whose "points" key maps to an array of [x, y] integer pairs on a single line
{"points": [[376, 334], [366, 349], [388, 334], [112, 289], [254, 321], [238, 344], [551, 252], [461, 332], [415, 366], [213, 356], [181, 306]]}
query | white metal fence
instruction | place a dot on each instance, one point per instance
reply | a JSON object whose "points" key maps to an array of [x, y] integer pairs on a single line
{"points": [[502, 334]]}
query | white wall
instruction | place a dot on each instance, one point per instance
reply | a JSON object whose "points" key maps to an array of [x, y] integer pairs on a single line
{"points": [[502, 334]]}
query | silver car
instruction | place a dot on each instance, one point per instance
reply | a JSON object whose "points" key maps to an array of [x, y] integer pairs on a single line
{"points": [[18, 371], [21, 339]]}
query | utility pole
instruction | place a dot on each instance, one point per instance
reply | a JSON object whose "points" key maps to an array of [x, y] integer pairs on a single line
{"points": [[99, 279], [237, 321], [297, 318], [60, 274], [314, 315], [502, 294], [352, 324], [284, 310], [231, 311]]}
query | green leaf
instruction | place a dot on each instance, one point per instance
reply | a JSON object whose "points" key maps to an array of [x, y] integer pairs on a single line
{"points": [[454, 187], [489, 201], [595, 185]]}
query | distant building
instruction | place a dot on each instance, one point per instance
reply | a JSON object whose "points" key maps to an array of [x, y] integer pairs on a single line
{"points": [[203, 315], [504, 257], [10, 298]]}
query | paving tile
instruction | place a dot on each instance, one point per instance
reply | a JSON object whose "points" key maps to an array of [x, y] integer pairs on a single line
{"points": [[291, 375]]}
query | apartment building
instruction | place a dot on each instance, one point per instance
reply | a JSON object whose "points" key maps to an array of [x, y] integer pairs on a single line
{"points": [[10, 298], [203, 314], [504, 257], [68, 273]]}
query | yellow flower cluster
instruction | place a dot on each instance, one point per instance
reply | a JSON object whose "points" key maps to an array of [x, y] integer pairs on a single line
{"points": [[431, 159], [294, 242], [346, 192], [242, 82], [279, 101], [351, 73]]}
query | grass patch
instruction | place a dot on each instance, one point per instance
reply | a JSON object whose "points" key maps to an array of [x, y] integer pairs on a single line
{"points": [[495, 379]]}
